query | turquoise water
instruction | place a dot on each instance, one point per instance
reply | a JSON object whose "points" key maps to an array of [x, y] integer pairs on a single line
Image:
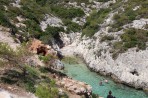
{"points": [[82, 73]]}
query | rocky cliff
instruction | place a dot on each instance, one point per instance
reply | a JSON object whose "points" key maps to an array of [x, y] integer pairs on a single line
{"points": [[110, 35], [128, 67]]}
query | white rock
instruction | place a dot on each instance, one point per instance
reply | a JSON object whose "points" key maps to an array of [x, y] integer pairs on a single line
{"points": [[4, 94], [52, 21], [122, 67], [5, 37]]}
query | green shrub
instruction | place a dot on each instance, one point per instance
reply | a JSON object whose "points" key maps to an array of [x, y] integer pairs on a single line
{"points": [[53, 30], [117, 45], [107, 38], [142, 12], [43, 2], [34, 73], [120, 21], [98, 16], [32, 10], [71, 26], [46, 91], [16, 58], [5, 2], [34, 13], [131, 38], [128, 15], [95, 95], [67, 13], [93, 21], [43, 70], [10, 76], [33, 28], [89, 31], [5, 15], [4, 20], [116, 5], [146, 26], [13, 12], [50, 34], [49, 2], [5, 50], [45, 38], [78, 1], [29, 85], [103, 0], [47, 58], [135, 37], [124, 18], [25, 75]]}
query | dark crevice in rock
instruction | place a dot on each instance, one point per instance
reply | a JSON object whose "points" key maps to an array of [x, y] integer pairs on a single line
{"points": [[58, 40], [134, 72]]}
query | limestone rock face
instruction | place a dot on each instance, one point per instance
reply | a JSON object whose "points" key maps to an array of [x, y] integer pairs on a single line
{"points": [[139, 24], [52, 21], [129, 68]]}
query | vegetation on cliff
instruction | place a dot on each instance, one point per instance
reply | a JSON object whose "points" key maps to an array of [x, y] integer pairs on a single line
{"points": [[93, 21], [131, 10], [17, 71], [130, 39]]}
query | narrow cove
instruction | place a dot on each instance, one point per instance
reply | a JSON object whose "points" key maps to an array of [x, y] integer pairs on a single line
{"points": [[82, 73]]}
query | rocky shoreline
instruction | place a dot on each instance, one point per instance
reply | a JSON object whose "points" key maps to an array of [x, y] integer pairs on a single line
{"points": [[130, 74], [71, 85]]}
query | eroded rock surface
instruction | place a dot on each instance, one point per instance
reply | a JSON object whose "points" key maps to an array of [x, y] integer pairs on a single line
{"points": [[98, 57]]}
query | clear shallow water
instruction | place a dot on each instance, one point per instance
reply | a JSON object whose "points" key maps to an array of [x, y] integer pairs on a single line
{"points": [[82, 73]]}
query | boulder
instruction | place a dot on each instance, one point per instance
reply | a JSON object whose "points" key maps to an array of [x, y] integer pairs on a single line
{"points": [[57, 64], [76, 86]]}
